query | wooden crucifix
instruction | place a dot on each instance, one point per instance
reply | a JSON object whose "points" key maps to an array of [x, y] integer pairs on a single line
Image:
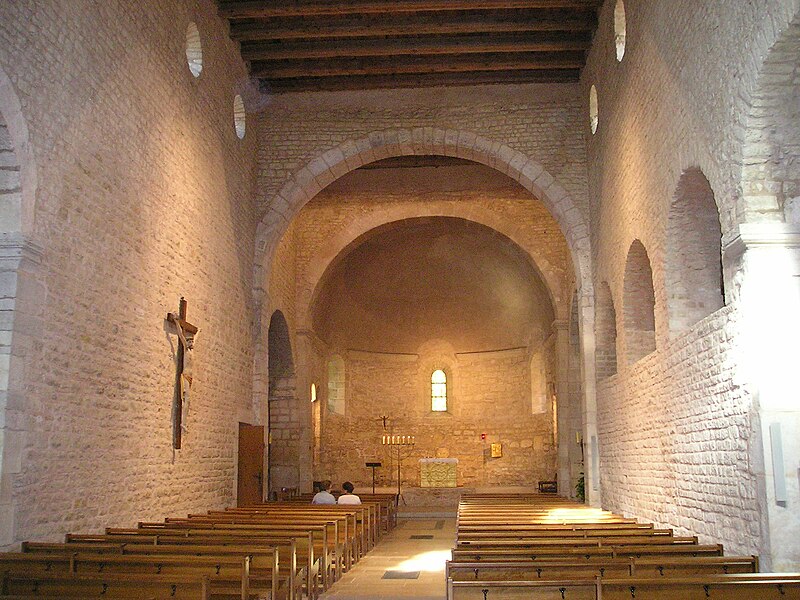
{"points": [[183, 378]]}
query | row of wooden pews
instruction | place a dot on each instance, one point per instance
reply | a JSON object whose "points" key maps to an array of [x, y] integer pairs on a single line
{"points": [[271, 551], [543, 547]]}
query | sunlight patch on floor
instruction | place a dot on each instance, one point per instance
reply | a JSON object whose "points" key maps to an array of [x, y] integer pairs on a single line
{"points": [[429, 562]]}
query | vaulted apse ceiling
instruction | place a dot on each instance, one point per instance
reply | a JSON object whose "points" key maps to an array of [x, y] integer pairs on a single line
{"points": [[416, 280]]}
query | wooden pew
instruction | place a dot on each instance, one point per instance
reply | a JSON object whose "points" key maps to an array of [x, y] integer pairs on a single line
{"points": [[551, 553], [265, 564], [613, 567], [318, 551], [363, 518], [712, 587], [352, 529], [100, 585], [325, 534], [229, 576], [303, 553]]}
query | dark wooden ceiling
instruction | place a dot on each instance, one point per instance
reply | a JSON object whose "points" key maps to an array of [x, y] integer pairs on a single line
{"points": [[300, 45]]}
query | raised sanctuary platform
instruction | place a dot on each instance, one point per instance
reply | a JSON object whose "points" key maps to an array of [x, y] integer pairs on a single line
{"points": [[442, 502]]}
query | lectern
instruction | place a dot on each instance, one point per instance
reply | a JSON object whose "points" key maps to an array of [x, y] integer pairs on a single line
{"points": [[373, 465]]}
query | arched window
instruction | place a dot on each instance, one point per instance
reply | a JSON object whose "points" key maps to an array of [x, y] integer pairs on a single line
{"points": [[439, 391]]}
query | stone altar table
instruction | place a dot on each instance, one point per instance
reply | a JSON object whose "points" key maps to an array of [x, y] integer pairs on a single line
{"points": [[438, 472]]}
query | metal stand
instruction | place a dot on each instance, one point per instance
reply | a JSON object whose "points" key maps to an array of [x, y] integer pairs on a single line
{"points": [[398, 442], [373, 466]]}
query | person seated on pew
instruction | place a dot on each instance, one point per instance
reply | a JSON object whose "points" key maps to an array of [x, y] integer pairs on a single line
{"points": [[348, 497], [324, 496]]}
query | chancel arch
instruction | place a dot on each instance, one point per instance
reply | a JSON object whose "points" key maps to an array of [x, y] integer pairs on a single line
{"points": [[308, 181]]}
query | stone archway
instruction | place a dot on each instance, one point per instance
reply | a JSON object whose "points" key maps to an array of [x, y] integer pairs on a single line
{"points": [[307, 181], [771, 154], [19, 262]]}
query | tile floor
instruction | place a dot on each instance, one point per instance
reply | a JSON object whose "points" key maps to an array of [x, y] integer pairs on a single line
{"points": [[398, 552]]}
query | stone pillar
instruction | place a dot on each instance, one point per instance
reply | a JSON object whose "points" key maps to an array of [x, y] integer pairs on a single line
{"points": [[305, 376], [561, 330], [21, 297], [762, 268], [591, 457]]}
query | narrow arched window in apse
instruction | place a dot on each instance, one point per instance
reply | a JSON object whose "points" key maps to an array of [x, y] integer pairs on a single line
{"points": [[439, 391]]}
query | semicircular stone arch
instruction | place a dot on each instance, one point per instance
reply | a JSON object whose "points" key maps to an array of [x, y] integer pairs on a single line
{"points": [[308, 181], [771, 154], [328, 252], [17, 164], [693, 260]]}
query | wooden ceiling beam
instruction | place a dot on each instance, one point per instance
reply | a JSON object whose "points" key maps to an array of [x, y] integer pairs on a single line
{"points": [[357, 28], [416, 47], [312, 84], [259, 9], [417, 65]]}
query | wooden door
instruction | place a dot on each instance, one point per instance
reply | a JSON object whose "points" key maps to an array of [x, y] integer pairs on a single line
{"points": [[251, 464]]}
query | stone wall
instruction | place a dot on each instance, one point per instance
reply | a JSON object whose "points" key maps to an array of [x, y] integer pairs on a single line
{"points": [[488, 393], [679, 432], [144, 195], [676, 432]]}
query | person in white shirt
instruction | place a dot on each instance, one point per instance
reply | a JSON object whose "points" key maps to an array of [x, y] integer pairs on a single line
{"points": [[348, 497], [324, 496]]}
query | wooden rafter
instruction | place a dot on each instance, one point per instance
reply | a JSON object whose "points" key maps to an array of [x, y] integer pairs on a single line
{"points": [[249, 9], [362, 82], [416, 46], [407, 65], [356, 44], [278, 29]]}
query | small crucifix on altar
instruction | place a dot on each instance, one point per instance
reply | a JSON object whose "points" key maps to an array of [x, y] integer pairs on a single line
{"points": [[183, 381]]}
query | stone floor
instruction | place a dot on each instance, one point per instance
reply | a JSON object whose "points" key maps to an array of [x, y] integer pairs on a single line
{"points": [[384, 572]]}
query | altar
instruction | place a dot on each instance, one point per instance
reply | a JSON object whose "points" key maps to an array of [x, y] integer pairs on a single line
{"points": [[438, 472]]}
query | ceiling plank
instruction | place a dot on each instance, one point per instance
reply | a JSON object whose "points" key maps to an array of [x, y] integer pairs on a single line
{"points": [[317, 84], [249, 9], [547, 42], [355, 28], [408, 65]]}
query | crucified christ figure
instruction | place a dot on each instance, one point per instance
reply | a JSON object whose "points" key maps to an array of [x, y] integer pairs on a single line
{"points": [[186, 332], [185, 379]]}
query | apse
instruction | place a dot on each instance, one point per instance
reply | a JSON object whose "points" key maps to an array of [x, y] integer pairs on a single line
{"points": [[431, 278]]}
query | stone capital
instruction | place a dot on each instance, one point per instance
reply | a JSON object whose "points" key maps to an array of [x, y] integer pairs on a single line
{"points": [[17, 248], [751, 236]]}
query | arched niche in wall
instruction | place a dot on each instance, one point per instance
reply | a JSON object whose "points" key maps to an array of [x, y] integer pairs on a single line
{"points": [[281, 363], [284, 410], [693, 257], [605, 326], [638, 304]]}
